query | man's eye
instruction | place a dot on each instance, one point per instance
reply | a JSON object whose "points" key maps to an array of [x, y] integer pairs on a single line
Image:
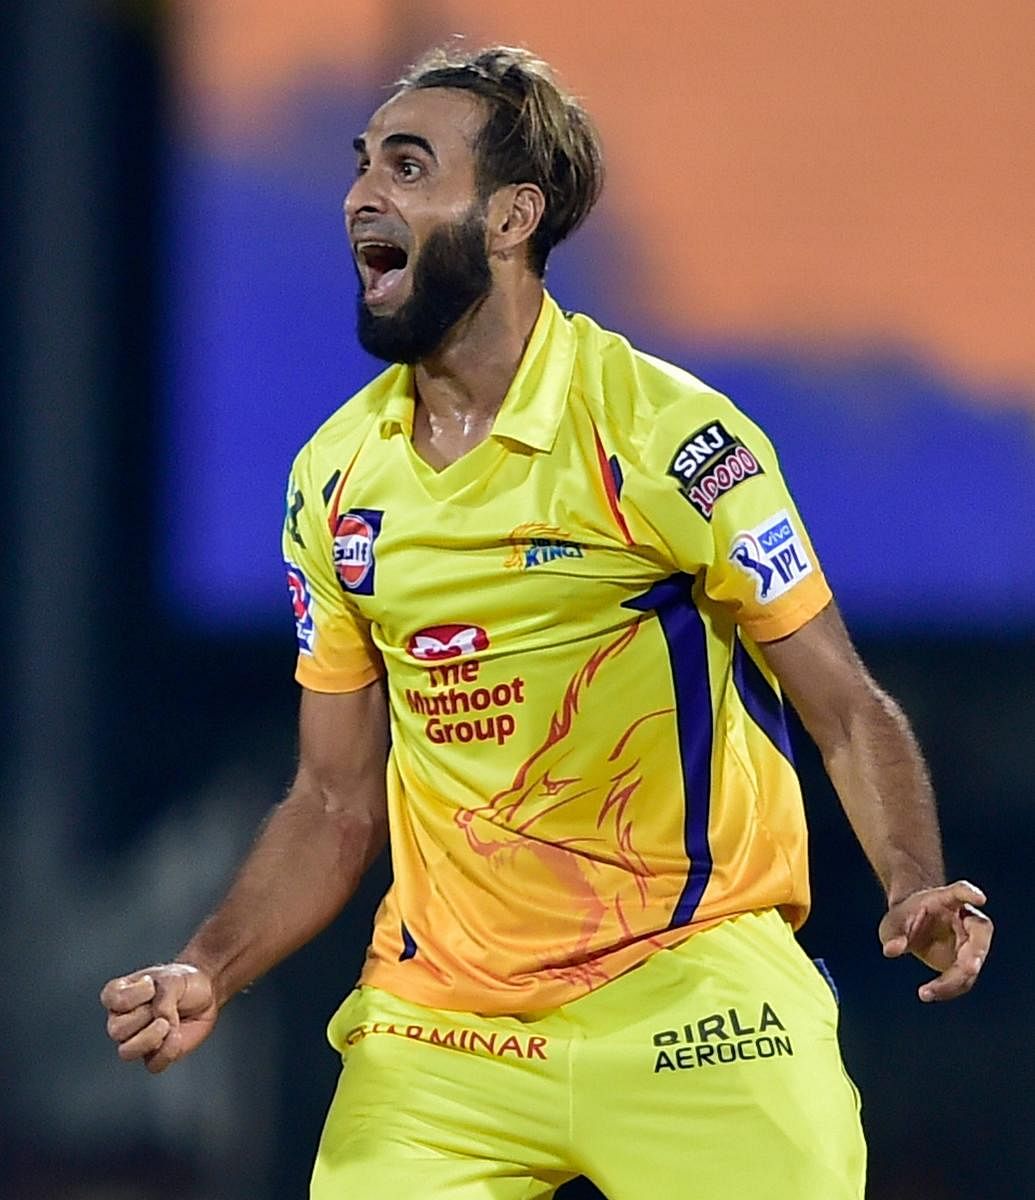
{"points": [[409, 169], [362, 167]]}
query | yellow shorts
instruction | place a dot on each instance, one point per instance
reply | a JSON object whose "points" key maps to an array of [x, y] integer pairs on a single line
{"points": [[709, 1072]]}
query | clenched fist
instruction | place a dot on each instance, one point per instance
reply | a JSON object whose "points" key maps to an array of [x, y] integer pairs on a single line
{"points": [[161, 1013]]}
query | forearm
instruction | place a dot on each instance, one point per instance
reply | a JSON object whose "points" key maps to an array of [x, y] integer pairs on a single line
{"points": [[303, 868], [880, 777], [879, 773]]}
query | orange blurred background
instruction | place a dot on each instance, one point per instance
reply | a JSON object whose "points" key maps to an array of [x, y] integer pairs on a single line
{"points": [[813, 175]]}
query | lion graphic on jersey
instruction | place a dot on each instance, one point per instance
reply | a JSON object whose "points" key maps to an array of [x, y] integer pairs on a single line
{"points": [[571, 781]]}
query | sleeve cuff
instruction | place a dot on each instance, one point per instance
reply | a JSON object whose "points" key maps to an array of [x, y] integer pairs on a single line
{"points": [[770, 627], [341, 679]]}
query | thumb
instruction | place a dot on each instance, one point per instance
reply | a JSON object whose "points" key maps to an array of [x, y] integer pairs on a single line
{"points": [[895, 946], [198, 993], [167, 1053], [169, 988], [894, 933]]}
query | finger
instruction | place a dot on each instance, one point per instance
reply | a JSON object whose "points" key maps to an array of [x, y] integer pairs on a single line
{"points": [[905, 923], [128, 992], [897, 932], [893, 931], [983, 920], [973, 931], [166, 1054], [168, 990], [978, 930], [955, 981], [913, 934], [146, 1042], [918, 926], [962, 892], [961, 976], [122, 1026]]}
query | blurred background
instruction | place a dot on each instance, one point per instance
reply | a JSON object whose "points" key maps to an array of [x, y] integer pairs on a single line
{"points": [[825, 209]]}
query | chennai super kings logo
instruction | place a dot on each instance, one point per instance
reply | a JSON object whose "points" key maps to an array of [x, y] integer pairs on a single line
{"points": [[534, 544]]}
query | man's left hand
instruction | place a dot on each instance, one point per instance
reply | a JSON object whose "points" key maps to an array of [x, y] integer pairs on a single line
{"points": [[943, 927]]}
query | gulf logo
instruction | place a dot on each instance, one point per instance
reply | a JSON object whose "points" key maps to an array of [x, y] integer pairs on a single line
{"points": [[353, 553], [447, 641]]}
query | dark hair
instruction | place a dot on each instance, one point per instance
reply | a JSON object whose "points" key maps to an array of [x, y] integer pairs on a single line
{"points": [[534, 133]]}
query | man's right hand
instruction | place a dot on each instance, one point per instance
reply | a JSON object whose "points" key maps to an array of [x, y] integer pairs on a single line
{"points": [[160, 1014]]}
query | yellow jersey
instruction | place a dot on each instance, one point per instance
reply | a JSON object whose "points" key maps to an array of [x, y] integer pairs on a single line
{"points": [[589, 757]]}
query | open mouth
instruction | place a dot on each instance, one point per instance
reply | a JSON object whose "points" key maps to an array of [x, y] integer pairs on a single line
{"points": [[382, 267]]}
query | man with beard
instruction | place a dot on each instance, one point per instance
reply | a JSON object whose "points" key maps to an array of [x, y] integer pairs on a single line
{"points": [[571, 582]]}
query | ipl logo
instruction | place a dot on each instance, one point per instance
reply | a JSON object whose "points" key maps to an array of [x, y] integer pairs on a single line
{"points": [[773, 553], [305, 627]]}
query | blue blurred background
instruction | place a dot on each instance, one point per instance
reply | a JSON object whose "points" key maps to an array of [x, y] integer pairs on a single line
{"points": [[827, 212]]}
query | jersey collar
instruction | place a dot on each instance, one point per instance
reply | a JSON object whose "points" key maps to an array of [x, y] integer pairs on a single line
{"points": [[532, 408]]}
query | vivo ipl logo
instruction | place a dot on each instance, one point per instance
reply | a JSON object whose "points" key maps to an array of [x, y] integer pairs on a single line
{"points": [[355, 533], [774, 555]]}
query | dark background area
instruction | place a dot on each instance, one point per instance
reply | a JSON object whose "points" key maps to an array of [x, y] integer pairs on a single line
{"points": [[139, 754]]}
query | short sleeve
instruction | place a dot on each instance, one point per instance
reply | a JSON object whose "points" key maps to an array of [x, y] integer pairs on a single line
{"points": [[335, 649], [711, 489]]}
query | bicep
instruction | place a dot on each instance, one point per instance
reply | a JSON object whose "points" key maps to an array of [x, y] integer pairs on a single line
{"points": [[822, 675], [343, 748]]}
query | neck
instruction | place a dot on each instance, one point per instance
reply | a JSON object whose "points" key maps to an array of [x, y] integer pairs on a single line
{"points": [[461, 387]]}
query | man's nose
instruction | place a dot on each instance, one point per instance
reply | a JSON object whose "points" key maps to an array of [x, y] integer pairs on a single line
{"points": [[365, 196]]}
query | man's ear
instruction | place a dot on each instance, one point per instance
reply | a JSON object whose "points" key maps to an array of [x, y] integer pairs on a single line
{"points": [[513, 217]]}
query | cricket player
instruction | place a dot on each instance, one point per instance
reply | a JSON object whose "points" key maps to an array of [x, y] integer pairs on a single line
{"points": [[550, 593]]}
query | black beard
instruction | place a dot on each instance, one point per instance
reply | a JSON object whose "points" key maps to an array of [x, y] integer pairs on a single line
{"points": [[451, 274]]}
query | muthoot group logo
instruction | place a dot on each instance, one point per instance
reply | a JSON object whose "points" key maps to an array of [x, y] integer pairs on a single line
{"points": [[460, 704], [440, 642]]}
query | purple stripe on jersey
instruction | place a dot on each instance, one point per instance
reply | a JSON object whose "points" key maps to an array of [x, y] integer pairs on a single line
{"points": [[616, 474], [685, 638], [824, 970], [409, 945], [762, 702]]}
